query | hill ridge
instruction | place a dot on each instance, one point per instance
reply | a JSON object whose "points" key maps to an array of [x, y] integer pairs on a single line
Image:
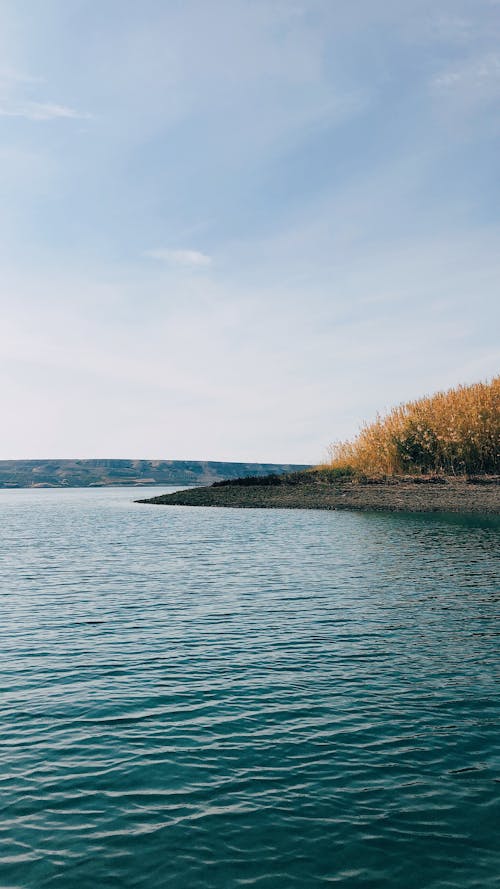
{"points": [[98, 472]]}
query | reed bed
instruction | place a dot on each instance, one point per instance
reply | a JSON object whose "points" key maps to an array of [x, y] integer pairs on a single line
{"points": [[452, 433]]}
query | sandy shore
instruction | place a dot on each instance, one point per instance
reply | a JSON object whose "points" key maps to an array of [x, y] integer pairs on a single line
{"points": [[405, 494]]}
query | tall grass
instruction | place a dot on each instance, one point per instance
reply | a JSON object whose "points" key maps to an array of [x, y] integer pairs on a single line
{"points": [[455, 432]]}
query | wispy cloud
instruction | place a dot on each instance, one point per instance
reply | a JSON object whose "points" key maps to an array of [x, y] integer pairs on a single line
{"points": [[192, 258], [478, 76], [348, 177], [10, 76], [41, 111], [13, 101]]}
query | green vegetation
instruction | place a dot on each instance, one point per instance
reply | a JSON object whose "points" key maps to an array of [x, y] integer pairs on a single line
{"points": [[306, 476], [451, 433]]}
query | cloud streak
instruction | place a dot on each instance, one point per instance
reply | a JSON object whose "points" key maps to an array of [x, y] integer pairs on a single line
{"points": [[477, 75], [13, 101], [41, 111], [186, 258]]}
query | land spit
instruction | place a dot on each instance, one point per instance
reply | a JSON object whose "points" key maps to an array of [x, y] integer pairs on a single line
{"points": [[318, 490]]}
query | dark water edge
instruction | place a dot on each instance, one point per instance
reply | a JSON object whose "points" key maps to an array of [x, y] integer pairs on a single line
{"points": [[269, 698]]}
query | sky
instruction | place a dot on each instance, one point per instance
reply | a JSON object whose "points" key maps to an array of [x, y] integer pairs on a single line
{"points": [[237, 229]]}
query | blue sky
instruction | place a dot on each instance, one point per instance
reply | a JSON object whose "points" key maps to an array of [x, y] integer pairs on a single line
{"points": [[235, 230]]}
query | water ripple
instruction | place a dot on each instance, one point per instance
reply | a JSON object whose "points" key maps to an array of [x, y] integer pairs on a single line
{"points": [[223, 698]]}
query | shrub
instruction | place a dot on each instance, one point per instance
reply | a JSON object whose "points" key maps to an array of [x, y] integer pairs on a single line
{"points": [[453, 432]]}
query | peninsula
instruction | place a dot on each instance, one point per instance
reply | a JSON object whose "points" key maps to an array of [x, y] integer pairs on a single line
{"points": [[437, 454], [316, 490]]}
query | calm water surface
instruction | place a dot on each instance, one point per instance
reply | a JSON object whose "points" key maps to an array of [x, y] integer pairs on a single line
{"points": [[245, 698]]}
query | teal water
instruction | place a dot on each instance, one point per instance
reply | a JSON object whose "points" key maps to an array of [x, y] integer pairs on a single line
{"points": [[245, 698]]}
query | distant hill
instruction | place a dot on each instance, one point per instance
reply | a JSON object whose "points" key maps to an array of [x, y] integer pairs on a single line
{"points": [[97, 473]]}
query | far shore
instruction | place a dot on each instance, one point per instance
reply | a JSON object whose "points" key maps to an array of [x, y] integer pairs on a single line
{"points": [[480, 495]]}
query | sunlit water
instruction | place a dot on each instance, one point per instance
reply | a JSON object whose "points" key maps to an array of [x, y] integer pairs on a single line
{"points": [[245, 698]]}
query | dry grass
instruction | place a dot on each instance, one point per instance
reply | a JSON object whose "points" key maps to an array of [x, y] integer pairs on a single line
{"points": [[454, 433]]}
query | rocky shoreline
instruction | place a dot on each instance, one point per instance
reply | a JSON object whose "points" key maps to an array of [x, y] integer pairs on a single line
{"points": [[480, 495]]}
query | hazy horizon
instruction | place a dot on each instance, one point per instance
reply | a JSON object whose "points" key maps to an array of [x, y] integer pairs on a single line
{"points": [[146, 460], [235, 230]]}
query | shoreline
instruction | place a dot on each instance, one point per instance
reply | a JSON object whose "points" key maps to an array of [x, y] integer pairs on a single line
{"points": [[408, 494]]}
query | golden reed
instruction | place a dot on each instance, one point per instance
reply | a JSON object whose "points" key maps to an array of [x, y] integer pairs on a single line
{"points": [[453, 433]]}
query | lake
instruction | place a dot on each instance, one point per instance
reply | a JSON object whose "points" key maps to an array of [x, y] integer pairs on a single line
{"points": [[245, 698]]}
